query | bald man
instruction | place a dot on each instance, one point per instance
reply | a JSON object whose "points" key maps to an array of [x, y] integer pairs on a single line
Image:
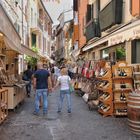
{"points": [[41, 81]]}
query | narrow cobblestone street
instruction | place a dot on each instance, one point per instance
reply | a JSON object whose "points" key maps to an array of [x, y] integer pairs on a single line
{"points": [[82, 124]]}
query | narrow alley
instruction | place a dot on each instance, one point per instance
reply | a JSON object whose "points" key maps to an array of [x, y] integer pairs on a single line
{"points": [[81, 124], [90, 46]]}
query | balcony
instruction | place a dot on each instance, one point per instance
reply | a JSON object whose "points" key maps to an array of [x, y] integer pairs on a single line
{"points": [[111, 14], [92, 29]]}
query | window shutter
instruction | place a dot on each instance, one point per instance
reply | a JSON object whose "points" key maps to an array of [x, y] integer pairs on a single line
{"points": [[135, 7], [133, 51], [89, 15]]}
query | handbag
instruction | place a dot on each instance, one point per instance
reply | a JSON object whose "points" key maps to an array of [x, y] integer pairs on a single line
{"points": [[79, 85], [85, 97], [24, 77], [93, 95], [71, 88], [76, 85]]}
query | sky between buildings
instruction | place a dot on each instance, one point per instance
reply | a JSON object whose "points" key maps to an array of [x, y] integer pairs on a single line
{"points": [[55, 7]]}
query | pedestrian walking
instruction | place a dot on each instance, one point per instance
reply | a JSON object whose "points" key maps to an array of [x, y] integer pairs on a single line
{"points": [[56, 73], [52, 74], [70, 71], [41, 83], [64, 81], [27, 76]]}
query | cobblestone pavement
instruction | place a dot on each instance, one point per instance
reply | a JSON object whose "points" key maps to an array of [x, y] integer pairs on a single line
{"points": [[82, 124]]}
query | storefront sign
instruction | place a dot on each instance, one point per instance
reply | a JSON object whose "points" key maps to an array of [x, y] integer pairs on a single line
{"points": [[128, 34], [116, 39]]}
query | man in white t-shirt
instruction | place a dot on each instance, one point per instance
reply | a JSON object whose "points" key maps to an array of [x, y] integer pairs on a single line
{"points": [[56, 73]]}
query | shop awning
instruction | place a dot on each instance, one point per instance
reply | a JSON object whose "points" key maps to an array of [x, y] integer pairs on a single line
{"points": [[49, 59], [129, 32], [10, 35], [10, 45], [46, 57], [28, 51], [75, 54], [41, 55], [126, 32], [21, 49]]}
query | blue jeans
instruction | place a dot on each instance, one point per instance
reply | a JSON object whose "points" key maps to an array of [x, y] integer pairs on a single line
{"points": [[28, 88], [61, 98], [41, 93]]}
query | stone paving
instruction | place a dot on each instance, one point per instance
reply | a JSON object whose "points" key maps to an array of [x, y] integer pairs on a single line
{"points": [[82, 124]]}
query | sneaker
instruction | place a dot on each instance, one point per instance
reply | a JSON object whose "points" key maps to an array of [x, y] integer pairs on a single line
{"points": [[58, 111], [69, 111], [35, 113], [45, 113]]}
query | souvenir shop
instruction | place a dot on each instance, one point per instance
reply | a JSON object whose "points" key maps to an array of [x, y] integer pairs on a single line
{"points": [[12, 88], [107, 86]]}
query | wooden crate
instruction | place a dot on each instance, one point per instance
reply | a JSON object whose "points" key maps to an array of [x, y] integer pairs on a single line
{"points": [[3, 104], [12, 97]]}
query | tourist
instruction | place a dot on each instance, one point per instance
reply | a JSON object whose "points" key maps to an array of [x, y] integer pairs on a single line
{"points": [[41, 81], [27, 76], [64, 81], [56, 73]]}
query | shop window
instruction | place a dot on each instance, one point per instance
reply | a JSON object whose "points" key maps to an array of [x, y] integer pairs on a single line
{"points": [[120, 53], [93, 55], [135, 51], [112, 56], [105, 54]]}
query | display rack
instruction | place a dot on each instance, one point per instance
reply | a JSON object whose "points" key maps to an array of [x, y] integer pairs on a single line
{"points": [[104, 86], [136, 76], [3, 104], [122, 85]]}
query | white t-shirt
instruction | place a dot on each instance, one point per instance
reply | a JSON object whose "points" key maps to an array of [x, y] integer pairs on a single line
{"points": [[64, 82], [56, 71]]}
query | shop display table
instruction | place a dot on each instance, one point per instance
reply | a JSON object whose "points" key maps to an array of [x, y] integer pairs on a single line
{"points": [[16, 94]]}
